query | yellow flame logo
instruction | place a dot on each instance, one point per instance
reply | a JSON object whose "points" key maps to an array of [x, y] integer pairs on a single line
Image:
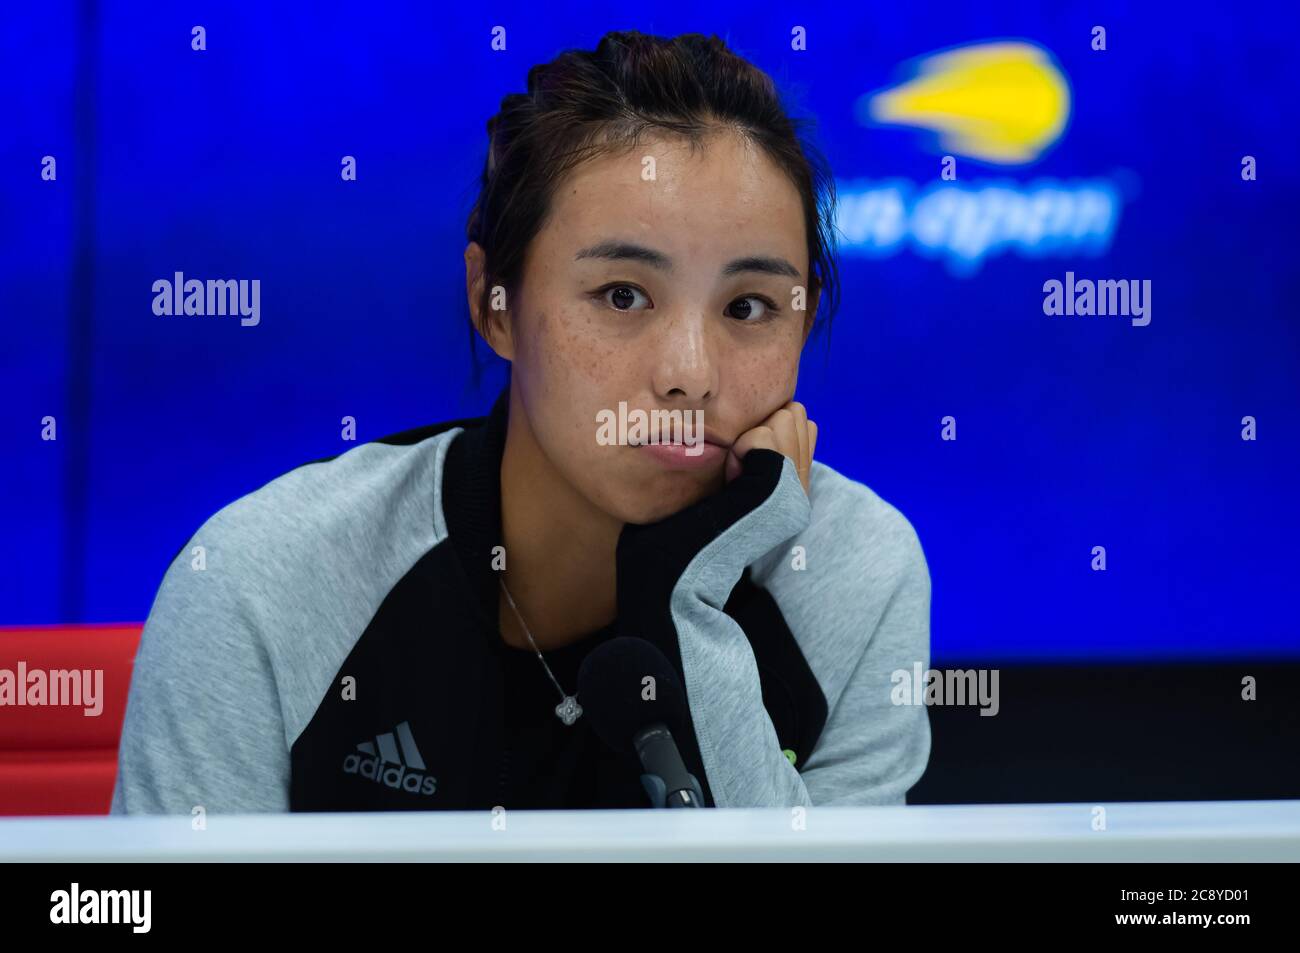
{"points": [[1001, 102]]}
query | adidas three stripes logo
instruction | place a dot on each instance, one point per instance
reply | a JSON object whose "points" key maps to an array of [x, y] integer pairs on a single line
{"points": [[393, 760]]}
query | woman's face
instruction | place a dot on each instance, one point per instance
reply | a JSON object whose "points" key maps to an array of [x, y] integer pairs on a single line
{"points": [[667, 285]]}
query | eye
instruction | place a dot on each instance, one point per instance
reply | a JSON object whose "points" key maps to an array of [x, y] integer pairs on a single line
{"points": [[751, 309], [622, 297]]}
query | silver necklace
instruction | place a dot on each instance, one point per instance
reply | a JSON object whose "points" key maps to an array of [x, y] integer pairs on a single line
{"points": [[568, 710]]}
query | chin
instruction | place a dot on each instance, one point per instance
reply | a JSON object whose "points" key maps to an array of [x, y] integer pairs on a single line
{"points": [[654, 505]]}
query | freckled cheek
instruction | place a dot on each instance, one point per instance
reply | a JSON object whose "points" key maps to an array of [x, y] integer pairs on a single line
{"points": [[582, 371], [591, 360], [766, 382]]}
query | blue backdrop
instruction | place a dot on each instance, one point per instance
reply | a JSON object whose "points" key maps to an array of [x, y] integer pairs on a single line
{"points": [[1072, 432]]}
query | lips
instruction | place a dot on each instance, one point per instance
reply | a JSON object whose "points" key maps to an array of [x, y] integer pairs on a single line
{"points": [[679, 456], [710, 437], [678, 442]]}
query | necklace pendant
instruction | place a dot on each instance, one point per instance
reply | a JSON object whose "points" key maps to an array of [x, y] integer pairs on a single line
{"points": [[568, 711]]}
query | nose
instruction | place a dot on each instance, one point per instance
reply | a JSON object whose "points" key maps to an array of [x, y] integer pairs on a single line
{"points": [[685, 362]]}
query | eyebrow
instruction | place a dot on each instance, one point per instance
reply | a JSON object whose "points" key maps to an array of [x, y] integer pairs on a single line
{"points": [[630, 251]]}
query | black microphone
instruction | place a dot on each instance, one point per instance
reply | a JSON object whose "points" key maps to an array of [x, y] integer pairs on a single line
{"points": [[611, 686]]}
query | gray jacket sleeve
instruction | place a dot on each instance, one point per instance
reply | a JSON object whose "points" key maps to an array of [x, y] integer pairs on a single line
{"points": [[203, 726], [873, 751], [860, 612]]}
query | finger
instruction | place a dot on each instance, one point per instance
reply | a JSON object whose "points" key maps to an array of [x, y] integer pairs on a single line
{"points": [[787, 435], [786, 426], [733, 466], [801, 430], [812, 440], [760, 436]]}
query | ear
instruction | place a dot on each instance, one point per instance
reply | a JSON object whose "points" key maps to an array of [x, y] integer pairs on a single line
{"points": [[494, 326]]}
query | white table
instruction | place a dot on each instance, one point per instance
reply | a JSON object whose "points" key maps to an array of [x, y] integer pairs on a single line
{"points": [[1197, 831]]}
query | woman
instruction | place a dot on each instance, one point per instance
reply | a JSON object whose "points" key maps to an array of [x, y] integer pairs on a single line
{"points": [[403, 626]]}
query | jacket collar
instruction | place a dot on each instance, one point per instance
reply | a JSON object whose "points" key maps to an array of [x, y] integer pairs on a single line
{"points": [[471, 497]]}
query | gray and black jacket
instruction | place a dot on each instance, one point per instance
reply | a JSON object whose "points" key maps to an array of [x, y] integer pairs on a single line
{"points": [[334, 645]]}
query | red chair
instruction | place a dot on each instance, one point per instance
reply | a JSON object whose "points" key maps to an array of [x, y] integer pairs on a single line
{"points": [[57, 759]]}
